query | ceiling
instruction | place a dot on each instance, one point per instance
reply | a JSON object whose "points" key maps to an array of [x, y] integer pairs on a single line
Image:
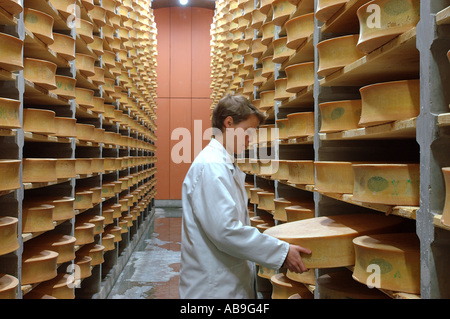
{"points": [[209, 4]]}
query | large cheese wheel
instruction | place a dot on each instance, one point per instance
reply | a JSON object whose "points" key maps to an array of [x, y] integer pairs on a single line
{"points": [[84, 233], [64, 245], [301, 172], [8, 234], [340, 115], [9, 113], [446, 212], [389, 101], [298, 29], [8, 286], [37, 217], [65, 86], [327, 8], [282, 125], [299, 212], [336, 53], [268, 66], [9, 170], [391, 261], [299, 76], [11, 53], [280, 90], [283, 287], [330, 238], [254, 194], [341, 285], [301, 124], [281, 204], [282, 172], [60, 287], [268, 167], [38, 265], [40, 72], [334, 177], [394, 17], [40, 23], [64, 46], [94, 251], [108, 242], [390, 184], [282, 9], [39, 121], [265, 200], [83, 269], [280, 51], [268, 32], [267, 99]]}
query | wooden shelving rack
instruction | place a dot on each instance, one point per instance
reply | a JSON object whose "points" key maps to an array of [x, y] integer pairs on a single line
{"points": [[420, 53], [133, 122]]}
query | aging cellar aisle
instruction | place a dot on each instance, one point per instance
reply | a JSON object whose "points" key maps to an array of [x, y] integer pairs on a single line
{"points": [[153, 268]]}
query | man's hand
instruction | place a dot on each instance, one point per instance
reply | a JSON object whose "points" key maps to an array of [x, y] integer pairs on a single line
{"points": [[294, 261]]}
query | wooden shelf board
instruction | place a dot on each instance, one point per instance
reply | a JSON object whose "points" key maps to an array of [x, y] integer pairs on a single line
{"points": [[437, 221], [35, 137], [398, 59], [398, 129], [6, 75], [44, 184], [85, 82], [7, 132], [34, 94], [302, 99], [403, 211], [443, 16], [83, 112], [298, 140], [7, 18], [444, 119]]}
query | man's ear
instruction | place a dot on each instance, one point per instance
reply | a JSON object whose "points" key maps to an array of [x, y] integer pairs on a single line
{"points": [[228, 122]]}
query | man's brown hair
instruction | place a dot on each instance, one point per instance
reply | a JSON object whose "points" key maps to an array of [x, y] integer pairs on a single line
{"points": [[236, 106]]}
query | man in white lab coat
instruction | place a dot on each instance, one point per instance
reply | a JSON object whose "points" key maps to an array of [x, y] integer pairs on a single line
{"points": [[219, 248]]}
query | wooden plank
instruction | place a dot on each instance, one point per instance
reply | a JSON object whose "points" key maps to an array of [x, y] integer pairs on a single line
{"points": [[34, 137], [398, 129], [444, 119], [302, 99], [399, 59], [36, 95], [443, 16], [437, 221]]}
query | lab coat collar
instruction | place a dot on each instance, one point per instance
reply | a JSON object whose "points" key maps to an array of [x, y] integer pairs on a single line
{"points": [[228, 159]]}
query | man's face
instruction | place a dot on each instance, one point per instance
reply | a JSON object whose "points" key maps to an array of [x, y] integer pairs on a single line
{"points": [[241, 134]]}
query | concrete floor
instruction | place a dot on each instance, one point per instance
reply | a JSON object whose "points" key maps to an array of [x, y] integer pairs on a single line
{"points": [[153, 268]]}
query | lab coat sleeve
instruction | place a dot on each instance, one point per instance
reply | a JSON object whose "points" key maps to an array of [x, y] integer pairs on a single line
{"points": [[216, 212]]}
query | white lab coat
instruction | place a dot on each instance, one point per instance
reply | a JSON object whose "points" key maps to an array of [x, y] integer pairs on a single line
{"points": [[218, 247]]}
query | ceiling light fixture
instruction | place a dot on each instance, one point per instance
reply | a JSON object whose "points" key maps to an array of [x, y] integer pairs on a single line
{"points": [[183, 2]]}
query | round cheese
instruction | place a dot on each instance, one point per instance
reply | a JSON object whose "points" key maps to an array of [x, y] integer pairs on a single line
{"points": [[64, 245], [39, 121], [334, 177], [60, 287], [85, 30], [265, 200], [84, 267], [388, 261], [40, 23], [282, 9], [390, 184], [281, 204], [340, 115], [330, 238], [9, 170], [108, 242], [38, 266], [336, 53], [65, 86], [283, 287], [9, 116], [39, 170], [299, 29], [446, 212], [94, 251], [11, 53], [40, 72], [280, 51], [301, 124], [8, 234], [389, 101], [267, 100], [307, 277], [8, 286], [299, 76], [395, 18], [64, 46], [327, 8], [301, 172], [299, 212]]}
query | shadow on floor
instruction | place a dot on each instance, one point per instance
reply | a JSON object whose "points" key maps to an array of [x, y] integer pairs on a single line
{"points": [[153, 268]]}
